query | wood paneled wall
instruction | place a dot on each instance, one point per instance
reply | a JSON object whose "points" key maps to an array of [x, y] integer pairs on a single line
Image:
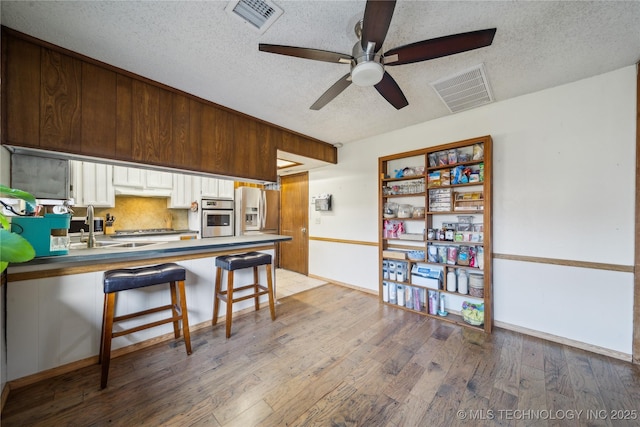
{"points": [[58, 100]]}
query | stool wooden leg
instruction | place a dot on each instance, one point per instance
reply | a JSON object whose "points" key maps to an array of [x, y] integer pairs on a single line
{"points": [[272, 307], [107, 333], [104, 319], [255, 288], [174, 309], [229, 301], [185, 317], [216, 292]]}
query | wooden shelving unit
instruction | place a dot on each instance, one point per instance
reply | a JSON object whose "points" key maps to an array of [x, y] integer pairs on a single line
{"points": [[461, 172]]}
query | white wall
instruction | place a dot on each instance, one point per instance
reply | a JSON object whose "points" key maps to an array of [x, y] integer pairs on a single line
{"points": [[564, 174]]}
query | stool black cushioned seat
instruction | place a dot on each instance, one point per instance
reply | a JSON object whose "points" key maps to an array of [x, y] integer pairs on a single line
{"points": [[134, 278], [231, 263], [240, 261]]}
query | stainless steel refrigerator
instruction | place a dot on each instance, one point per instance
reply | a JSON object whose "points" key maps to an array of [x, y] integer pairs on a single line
{"points": [[257, 211]]}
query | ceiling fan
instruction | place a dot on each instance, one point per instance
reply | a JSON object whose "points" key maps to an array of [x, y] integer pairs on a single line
{"points": [[368, 63]]}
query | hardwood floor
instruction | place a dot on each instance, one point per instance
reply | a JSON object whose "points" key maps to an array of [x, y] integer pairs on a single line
{"points": [[336, 357]]}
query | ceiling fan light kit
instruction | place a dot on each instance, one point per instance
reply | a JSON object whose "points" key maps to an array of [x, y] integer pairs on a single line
{"points": [[367, 63], [367, 73]]}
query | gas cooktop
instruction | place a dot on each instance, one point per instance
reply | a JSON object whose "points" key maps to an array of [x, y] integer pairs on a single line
{"points": [[146, 231]]}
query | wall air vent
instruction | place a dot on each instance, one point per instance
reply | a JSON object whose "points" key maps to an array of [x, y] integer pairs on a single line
{"points": [[257, 14], [465, 90]]}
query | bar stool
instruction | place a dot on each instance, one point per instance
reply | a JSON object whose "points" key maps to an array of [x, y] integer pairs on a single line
{"points": [[134, 278], [231, 263]]}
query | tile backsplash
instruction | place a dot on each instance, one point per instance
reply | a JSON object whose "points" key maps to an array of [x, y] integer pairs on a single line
{"points": [[142, 213]]}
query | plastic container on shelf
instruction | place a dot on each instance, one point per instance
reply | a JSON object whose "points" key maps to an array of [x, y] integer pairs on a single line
{"points": [[451, 281], [390, 210], [465, 219], [476, 285], [463, 282], [405, 211], [418, 212]]}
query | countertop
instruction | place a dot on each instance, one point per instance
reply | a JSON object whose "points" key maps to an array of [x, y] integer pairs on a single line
{"points": [[155, 232], [159, 249]]}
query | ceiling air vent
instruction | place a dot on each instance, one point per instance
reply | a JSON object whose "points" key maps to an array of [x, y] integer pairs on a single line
{"points": [[257, 14], [465, 90]]}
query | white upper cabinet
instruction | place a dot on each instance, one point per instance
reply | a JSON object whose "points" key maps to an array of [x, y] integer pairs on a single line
{"points": [[209, 187], [182, 192], [92, 184], [97, 184], [142, 178], [225, 189], [156, 179], [128, 177], [141, 182], [218, 188]]}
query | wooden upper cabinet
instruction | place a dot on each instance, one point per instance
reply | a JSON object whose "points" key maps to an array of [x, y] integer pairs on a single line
{"points": [[60, 88], [263, 148], [98, 111], [211, 133], [151, 124], [124, 112], [185, 154], [58, 100], [195, 136], [293, 143], [164, 146], [21, 93], [144, 122]]}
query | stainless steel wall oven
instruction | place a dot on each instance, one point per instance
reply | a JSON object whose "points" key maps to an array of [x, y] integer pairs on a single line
{"points": [[217, 218]]}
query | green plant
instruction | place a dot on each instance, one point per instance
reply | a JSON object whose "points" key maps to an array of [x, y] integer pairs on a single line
{"points": [[13, 247]]}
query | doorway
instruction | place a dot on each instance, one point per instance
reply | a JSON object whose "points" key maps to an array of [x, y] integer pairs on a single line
{"points": [[294, 222]]}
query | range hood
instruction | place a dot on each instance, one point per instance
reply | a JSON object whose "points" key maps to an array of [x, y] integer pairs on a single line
{"points": [[44, 177], [141, 192]]}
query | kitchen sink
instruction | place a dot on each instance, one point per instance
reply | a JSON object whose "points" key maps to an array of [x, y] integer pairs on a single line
{"points": [[134, 244], [112, 245], [83, 245]]}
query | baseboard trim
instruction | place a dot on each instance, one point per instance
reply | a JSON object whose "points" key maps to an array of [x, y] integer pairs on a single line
{"points": [[344, 241], [346, 285], [566, 341], [5, 396], [93, 360]]}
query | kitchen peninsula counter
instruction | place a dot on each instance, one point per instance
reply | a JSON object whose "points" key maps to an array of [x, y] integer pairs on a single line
{"points": [[54, 304], [109, 257]]}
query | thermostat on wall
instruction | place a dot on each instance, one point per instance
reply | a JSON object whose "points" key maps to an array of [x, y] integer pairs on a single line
{"points": [[323, 202]]}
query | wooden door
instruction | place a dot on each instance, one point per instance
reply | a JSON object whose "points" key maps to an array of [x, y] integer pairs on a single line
{"points": [[294, 222]]}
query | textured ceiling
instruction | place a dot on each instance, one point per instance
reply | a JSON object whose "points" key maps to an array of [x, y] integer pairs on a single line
{"points": [[198, 48]]}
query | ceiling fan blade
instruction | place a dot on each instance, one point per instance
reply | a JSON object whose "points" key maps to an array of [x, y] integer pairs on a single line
{"points": [[332, 92], [439, 47], [375, 24], [390, 90], [306, 53]]}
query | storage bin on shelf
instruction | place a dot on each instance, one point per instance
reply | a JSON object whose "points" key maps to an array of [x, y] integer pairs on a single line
{"points": [[468, 201], [405, 211], [476, 285], [472, 313]]}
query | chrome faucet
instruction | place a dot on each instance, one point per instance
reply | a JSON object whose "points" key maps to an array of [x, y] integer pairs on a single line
{"points": [[91, 241]]}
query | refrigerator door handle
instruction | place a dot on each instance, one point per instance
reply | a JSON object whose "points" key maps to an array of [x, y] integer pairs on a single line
{"points": [[263, 208]]}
